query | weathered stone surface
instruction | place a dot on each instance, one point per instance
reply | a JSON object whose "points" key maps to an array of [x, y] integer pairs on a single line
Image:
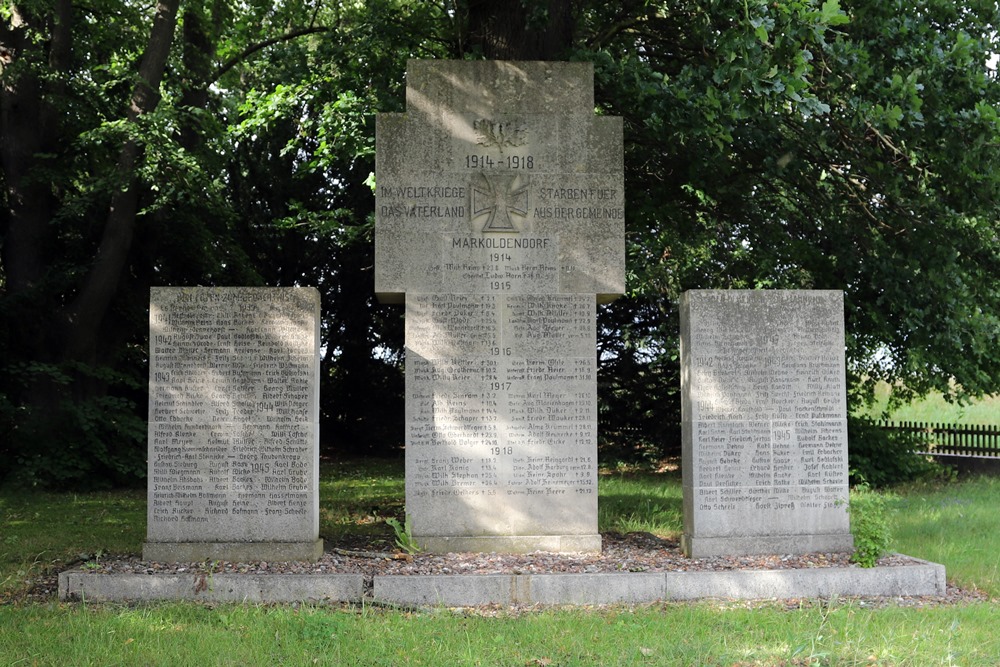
{"points": [[233, 424], [211, 588], [499, 222], [499, 158], [523, 544], [448, 591], [501, 448], [919, 579], [509, 589], [764, 422], [239, 552]]}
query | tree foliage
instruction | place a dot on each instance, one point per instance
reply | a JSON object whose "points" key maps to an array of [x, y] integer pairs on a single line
{"points": [[805, 145], [769, 144]]}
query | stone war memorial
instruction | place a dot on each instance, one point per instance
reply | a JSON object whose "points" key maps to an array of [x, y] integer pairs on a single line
{"points": [[500, 225], [763, 404], [233, 424]]}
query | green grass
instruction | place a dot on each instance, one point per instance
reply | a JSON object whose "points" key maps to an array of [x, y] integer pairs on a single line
{"points": [[44, 531], [641, 502], [357, 496], [935, 409], [955, 524], [40, 532], [666, 634]]}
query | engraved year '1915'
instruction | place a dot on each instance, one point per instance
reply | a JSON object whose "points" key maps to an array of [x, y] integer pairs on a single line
{"points": [[505, 162]]}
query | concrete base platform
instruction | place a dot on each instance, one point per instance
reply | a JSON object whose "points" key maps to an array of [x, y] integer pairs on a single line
{"points": [[509, 544], [921, 578], [82, 586], [706, 547]]}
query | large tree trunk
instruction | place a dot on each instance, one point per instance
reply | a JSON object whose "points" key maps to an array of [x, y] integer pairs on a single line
{"points": [[39, 329], [29, 135], [30, 140], [87, 312]]}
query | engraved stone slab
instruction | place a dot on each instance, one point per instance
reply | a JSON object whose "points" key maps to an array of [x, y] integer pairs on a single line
{"points": [[233, 424], [501, 413], [501, 166], [499, 223], [764, 411]]}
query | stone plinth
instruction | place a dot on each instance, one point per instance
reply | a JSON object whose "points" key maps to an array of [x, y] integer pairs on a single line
{"points": [[764, 422], [499, 223], [233, 424]]}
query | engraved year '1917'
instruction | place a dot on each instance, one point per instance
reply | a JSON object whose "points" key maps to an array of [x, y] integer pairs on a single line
{"points": [[505, 162]]}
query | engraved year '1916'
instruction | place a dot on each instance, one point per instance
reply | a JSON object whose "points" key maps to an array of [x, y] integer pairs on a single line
{"points": [[506, 162]]}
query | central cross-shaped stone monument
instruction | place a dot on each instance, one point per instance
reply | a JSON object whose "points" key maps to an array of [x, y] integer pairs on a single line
{"points": [[499, 223]]}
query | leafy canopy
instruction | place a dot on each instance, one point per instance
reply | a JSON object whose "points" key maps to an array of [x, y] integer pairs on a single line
{"points": [[782, 144]]}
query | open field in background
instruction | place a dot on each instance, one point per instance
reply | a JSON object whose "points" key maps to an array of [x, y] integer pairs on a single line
{"points": [[935, 409], [955, 524]]}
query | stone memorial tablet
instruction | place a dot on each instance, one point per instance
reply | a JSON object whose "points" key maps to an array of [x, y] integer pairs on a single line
{"points": [[764, 414], [499, 223], [233, 424]]}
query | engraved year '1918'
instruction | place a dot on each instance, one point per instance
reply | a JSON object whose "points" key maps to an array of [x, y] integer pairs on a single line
{"points": [[505, 162]]}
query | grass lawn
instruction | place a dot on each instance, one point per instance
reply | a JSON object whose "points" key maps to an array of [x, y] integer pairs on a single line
{"points": [[956, 525], [689, 634], [934, 409]]}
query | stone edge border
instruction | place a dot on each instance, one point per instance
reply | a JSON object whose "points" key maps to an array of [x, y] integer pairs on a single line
{"points": [[86, 587], [920, 579]]}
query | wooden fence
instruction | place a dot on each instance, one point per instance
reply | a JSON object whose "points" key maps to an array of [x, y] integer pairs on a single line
{"points": [[971, 440]]}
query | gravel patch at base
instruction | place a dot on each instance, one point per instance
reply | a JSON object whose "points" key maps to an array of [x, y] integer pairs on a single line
{"points": [[633, 552]]}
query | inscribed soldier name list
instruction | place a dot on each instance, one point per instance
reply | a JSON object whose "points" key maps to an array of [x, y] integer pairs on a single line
{"points": [[764, 422], [233, 424], [499, 223]]}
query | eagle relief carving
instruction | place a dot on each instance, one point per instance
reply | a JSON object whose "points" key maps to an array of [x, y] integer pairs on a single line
{"points": [[501, 134]]}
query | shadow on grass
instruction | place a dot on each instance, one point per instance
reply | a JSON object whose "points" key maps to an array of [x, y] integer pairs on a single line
{"points": [[356, 496]]}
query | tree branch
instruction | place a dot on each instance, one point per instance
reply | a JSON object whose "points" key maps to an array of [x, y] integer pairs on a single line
{"points": [[250, 50]]}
